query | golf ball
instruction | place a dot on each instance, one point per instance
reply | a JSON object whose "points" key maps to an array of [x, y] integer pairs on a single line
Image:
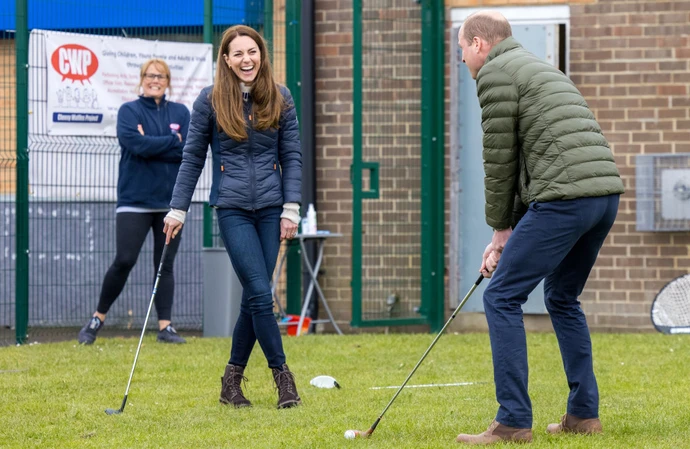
{"points": [[350, 434]]}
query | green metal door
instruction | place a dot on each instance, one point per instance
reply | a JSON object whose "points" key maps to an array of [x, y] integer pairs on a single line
{"points": [[397, 169]]}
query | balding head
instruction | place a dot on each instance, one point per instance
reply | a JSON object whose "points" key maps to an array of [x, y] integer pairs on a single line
{"points": [[490, 26]]}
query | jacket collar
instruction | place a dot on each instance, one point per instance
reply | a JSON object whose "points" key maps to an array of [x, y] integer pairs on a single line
{"points": [[150, 102], [504, 46], [246, 91]]}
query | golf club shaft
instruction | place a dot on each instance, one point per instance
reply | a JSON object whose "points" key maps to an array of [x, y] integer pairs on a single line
{"points": [[146, 320], [457, 309]]}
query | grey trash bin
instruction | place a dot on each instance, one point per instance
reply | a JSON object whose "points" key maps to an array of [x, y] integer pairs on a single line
{"points": [[222, 294]]}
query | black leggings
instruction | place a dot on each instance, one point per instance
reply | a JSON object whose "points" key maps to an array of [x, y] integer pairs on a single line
{"points": [[131, 231]]}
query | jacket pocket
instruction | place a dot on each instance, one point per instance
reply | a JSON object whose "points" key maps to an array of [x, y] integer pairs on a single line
{"points": [[223, 167]]}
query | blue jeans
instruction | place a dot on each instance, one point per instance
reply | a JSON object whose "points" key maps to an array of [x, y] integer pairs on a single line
{"points": [[559, 242], [252, 239]]}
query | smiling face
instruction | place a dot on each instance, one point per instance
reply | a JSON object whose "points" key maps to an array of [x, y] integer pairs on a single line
{"points": [[244, 58], [154, 81]]}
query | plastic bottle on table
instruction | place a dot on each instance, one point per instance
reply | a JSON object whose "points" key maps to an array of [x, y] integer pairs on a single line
{"points": [[311, 220]]}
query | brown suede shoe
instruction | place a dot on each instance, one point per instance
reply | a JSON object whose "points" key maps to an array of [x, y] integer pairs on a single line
{"points": [[496, 433], [573, 424]]}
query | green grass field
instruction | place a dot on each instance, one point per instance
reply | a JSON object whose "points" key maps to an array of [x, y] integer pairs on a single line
{"points": [[54, 395]]}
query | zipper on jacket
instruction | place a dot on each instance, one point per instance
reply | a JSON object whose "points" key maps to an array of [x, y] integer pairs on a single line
{"points": [[158, 122], [252, 171]]}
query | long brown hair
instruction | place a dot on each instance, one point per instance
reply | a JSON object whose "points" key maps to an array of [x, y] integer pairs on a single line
{"points": [[226, 98]]}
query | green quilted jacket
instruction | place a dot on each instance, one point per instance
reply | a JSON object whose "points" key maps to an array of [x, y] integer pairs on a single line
{"points": [[541, 141]]}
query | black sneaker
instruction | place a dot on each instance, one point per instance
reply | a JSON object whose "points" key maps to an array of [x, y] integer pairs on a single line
{"points": [[87, 334], [170, 335]]}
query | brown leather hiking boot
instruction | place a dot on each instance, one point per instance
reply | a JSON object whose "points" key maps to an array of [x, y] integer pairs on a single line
{"points": [[231, 391], [573, 424], [496, 433], [287, 390]]}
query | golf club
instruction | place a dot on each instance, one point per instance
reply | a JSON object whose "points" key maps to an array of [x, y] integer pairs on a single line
{"points": [[351, 434], [111, 411]]}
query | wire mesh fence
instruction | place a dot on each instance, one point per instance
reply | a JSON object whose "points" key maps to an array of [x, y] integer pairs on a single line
{"points": [[72, 226], [391, 116]]}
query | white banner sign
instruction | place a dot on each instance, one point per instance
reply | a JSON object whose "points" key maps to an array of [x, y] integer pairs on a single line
{"points": [[77, 83], [89, 77]]}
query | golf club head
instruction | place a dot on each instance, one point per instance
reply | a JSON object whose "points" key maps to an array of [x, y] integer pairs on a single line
{"points": [[113, 411]]}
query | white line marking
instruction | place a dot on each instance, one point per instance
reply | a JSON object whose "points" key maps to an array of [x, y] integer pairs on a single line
{"points": [[458, 384]]}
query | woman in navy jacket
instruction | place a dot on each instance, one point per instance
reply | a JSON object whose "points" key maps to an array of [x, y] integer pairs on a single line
{"points": [[151, 132], [251, 125]]}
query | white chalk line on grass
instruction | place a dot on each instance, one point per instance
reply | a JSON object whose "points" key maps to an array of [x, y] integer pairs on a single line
{"points": [[457, 384]]}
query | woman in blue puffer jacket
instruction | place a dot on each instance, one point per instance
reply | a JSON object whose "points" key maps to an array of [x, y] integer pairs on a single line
{"points": [[250, 123]]}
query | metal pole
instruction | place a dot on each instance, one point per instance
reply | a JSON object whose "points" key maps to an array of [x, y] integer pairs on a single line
{"points": [[356, 169], [307, 121], [294, 83], [432, 163], [22, 169], [208, 22]]}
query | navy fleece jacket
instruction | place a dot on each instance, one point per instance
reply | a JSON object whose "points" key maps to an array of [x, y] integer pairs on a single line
{"points": [[149, 163]]}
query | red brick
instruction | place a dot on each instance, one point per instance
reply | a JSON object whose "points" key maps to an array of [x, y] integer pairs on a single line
{"points": [[658, 148], [646, 137], [610, 66], [672, 90], [677, 136], [671, 274], [658, 262], [681, 5], [642, 89], [626, 7], [627, 54], [644, 250], [673, 113], [618, 103], [673, 65], [627, 31], [680, 102], [653, 78], [628, 78], [630, 262], [658, 125]]}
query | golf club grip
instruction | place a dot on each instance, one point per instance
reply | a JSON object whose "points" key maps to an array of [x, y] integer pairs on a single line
{"points": [[479, 280], [163, 254]]}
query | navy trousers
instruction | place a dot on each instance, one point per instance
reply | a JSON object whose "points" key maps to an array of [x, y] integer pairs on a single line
{"points": [[252, 239], [559, 242]]}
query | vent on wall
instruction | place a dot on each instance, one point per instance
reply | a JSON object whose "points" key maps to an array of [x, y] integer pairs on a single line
{"points": [[663, 192]]}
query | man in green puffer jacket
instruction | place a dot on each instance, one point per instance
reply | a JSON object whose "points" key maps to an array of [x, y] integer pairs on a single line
{"points": [[545, 153]]}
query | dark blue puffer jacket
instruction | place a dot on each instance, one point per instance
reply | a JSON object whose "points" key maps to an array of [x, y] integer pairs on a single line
{"points": [[149, 163], [246, 174]]}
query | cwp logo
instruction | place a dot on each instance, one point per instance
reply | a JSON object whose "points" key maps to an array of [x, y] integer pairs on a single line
{"points": [[75, 62]]}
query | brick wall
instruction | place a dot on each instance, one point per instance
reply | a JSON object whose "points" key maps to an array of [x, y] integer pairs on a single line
{"points": [[631, 61], [391, 126], [333, 146]]}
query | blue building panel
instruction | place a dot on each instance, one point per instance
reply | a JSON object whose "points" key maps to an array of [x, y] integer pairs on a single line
{"points": [[103, 14]]}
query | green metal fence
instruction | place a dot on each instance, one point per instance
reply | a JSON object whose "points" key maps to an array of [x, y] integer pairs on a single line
{"points": [[398, 247], [55, 250]]}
